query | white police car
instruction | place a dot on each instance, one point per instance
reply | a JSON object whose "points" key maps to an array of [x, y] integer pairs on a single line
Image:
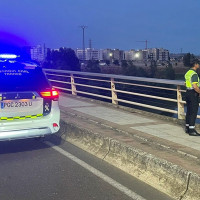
{"points": [[28, 103]]}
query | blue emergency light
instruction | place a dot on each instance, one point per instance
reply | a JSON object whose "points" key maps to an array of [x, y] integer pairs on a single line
{"points": [[8, 56]]}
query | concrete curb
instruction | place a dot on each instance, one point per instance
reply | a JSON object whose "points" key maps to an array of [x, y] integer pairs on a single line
{"points": [[159, 173]]}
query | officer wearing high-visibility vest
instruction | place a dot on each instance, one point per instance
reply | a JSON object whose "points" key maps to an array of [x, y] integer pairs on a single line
{"points": [[192, 98]]}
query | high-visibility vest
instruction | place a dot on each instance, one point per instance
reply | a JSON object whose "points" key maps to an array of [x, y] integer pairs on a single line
{"points": [[188, 79]]}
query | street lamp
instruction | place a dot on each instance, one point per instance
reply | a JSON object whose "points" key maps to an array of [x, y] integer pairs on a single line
{"points": [[110, 55], [137, 55], [83, 28]]}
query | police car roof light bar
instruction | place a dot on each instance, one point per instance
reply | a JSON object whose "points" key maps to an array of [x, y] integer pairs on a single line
{"points": [[8, 56]]}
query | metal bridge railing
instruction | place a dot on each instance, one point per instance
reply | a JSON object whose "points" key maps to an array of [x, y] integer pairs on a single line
{"points": [[124, 89]]}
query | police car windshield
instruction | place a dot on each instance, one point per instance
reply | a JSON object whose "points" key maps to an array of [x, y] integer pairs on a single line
{"points": [[16, 76]]}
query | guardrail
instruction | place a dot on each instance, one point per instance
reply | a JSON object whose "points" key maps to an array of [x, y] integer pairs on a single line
{"points": [[122, 89]]}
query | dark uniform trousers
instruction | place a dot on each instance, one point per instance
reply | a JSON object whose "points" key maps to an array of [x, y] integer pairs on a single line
{"points": [[192, 102]]}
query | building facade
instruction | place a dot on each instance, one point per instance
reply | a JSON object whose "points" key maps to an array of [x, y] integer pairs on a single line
{"points": [[89, 54], [163, 55], [153, 54], [157, 54], [113, 54], [136, 55], [38, 53]]}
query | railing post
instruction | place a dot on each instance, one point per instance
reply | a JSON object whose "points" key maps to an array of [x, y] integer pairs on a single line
{"points": [[73, 86], [114, 93], [181, 113]]}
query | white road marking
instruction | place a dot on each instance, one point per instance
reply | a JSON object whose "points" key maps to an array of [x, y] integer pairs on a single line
{"points": [[96, 172]]}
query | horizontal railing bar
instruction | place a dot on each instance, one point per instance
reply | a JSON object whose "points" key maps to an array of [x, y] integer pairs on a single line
{"points": [[148, 106], [52, 80], [134, 78], [146, 95], [91, 86], [92, 79], [62, 88], [92, 94], [140, 85], [57, 75]]}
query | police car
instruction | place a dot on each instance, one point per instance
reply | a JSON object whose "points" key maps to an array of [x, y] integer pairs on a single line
{"points": [[28, 103]]}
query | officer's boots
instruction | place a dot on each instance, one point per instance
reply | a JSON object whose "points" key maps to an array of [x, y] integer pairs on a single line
{"points": [[193, 132]]}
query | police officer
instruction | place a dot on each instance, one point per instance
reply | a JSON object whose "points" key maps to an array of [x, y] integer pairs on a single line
{"points": [[192, 98]]}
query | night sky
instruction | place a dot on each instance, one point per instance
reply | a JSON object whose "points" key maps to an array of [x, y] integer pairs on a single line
{"points": [[169, 24]]}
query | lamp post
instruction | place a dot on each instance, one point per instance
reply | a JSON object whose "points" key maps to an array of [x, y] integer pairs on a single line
{"points": [[83, 29]]}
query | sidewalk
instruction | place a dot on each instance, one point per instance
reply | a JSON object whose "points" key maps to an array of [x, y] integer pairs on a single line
{"points": [[162, 154]]}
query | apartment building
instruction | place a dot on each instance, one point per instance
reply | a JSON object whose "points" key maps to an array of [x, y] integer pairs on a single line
{"points": [[136, 55], [113, 54], [153, 54], [38, 52], [157, 54], [163, 55], [107, 54], [89, 54], [118, 54]]}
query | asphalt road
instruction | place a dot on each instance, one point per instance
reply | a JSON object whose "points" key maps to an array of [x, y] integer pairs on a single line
{"points": [[56, 170]]}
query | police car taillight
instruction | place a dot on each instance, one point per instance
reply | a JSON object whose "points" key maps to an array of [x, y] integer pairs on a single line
{"points": [[56, 126], [51, 94]]}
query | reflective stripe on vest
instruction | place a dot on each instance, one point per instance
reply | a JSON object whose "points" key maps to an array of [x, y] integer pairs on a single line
{"points": [[188, 79]]}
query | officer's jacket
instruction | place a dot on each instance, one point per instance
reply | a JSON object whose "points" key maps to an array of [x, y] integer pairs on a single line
{"points": [[191, 77]]}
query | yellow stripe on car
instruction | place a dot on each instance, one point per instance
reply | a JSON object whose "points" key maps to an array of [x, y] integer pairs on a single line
{"points": [[10, 118], [21, 117]]}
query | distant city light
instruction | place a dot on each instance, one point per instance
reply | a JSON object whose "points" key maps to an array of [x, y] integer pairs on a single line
{"points": [[110, 54], [137, 55], [8, 56]]}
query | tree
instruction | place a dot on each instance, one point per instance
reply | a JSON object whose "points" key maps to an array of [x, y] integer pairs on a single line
{"points": [[64, 59], [153, 68], [142, 72], [107, 62], [124, 64], [93, 66], [116, 62], [169, 72], [187, 59], [128, 68]]}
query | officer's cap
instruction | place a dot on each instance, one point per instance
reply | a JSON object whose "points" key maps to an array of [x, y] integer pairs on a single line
{"points": [[194, 61]]}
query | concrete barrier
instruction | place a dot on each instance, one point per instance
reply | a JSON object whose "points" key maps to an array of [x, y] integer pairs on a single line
{"points": [[159, 173]]}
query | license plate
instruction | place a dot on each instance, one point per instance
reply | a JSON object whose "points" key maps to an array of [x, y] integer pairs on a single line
{"points": [[15, 104]]}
